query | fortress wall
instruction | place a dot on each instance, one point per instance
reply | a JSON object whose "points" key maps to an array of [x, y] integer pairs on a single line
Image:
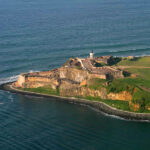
{"points": [[21, 80], [103, 76], [80, 91], [73, 74], [117, 74], [69, 90], [78, 75], [34, 82], [47, 73], [26, 81], [39, 79], [38, 84], [44, 78], [43, 73]]}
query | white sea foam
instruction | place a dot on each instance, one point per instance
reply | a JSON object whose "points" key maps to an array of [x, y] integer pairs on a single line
{"points": [[121, 118], [9, 79], [114, 116], [13, 78], [30, 71]]}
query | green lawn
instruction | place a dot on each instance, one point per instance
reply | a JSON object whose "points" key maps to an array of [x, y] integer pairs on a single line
{"points": [[123, 105], [142, 61], [127, 84], [143, 73], [43, 90], [119, 85], [95, 83], [132, 85], [142, 79]]}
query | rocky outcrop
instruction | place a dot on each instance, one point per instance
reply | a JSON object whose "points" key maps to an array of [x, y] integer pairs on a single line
{"points": [[134, 107], [66, 87], [83, 92], [75, 90], [123, 96]]}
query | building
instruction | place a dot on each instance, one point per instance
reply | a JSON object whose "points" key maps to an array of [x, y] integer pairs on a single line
{"points": [[104, 59]]}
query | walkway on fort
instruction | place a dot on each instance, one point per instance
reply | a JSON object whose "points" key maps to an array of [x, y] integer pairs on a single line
{"points": [[138, 67], [87, 64], [145, 89]]}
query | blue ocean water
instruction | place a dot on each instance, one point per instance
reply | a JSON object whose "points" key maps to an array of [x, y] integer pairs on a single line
{"points": [[41, 35]]}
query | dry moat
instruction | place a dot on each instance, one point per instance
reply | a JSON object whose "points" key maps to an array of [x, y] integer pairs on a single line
{"points": [[120, 82]]}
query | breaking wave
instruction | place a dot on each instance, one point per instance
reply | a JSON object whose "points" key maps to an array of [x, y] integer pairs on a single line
{"points": [[12, 78], [116, 52], [9, 79], [30, 71]]}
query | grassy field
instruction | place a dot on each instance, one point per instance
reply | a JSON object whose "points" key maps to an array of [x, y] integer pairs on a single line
{"points": [[43, 90], [141, 61], [123, 105], [143, 74], [96, 83], [120, 85]]}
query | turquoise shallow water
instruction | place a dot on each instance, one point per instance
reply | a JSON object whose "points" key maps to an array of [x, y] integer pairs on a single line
{"points": [[41, 35]]}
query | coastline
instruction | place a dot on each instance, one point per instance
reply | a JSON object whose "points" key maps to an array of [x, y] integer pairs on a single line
{"points": [[100, 106]]}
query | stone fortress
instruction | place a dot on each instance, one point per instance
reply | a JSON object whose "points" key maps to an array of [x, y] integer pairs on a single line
{"points": [[75, 76], [82, 77], [103, 72], [75, 71]]}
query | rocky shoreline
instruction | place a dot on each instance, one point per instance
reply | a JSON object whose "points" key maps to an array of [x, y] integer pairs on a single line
{"points": [[94, 104]]}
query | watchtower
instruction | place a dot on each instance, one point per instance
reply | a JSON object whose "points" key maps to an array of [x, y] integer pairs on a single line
{"points": [[92, 55]]}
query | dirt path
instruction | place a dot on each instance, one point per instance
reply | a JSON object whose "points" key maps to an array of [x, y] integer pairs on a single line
{"points": [[138, 67], [145, 89]]}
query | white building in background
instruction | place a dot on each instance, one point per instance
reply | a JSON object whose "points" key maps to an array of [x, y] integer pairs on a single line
{"points": [[92, 55]]}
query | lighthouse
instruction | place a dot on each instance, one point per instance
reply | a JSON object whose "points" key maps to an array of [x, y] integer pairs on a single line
{"points": [[92, 55]]}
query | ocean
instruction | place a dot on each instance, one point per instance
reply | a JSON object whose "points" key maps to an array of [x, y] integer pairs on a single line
{"points": [[41, 35]]}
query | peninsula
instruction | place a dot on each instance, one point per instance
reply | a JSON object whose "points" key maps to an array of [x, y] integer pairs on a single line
{"points": [[122, 83]]}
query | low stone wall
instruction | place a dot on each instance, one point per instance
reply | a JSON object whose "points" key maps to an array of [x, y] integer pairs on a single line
{"points": [[101, 76], [73, 74], [21, 80], [97, 105], [122, 96], [38, 79]]}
